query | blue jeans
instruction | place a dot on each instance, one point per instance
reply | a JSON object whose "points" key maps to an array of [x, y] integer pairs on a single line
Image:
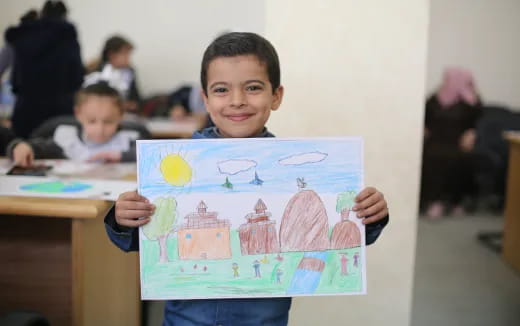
{"points": [[228, 312]]}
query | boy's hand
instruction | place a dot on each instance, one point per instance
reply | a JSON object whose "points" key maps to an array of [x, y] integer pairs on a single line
{"points": [[106, 157], [133, 210], [23, 154], [370, 205]]}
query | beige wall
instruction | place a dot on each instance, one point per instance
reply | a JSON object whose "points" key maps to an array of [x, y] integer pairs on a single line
{"points": [[349, 68], [481, 35], [358, 68]]}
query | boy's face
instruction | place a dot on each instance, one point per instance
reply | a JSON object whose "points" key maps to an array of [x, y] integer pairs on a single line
{"points": [[99, 117], [239, 95]]}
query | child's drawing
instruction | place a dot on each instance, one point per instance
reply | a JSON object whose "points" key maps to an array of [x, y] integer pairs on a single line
{"points": [[251, 218]]}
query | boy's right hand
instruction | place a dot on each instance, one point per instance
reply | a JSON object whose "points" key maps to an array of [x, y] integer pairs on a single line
{"points": [[133, 210], [23, 155]]}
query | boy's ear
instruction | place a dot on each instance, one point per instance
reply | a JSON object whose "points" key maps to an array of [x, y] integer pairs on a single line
{"points": [[277, 98]]}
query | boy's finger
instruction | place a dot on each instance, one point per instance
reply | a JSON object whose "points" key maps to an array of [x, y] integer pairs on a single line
{"points": [[368, 202], [377, 217], [125, 215], [134, 205], [134, 223], [132, 196], [372, 210], [368, 191]]}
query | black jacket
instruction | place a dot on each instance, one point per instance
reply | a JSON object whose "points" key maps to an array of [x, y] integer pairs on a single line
{"points": [[47, 58]]}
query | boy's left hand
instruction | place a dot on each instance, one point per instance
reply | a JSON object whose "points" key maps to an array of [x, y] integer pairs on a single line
{"points": [[106, 157], [370, 205]]}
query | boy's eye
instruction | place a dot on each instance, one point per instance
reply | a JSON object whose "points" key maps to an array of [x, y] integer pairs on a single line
{"points": [[219, 90], [253, 88]]}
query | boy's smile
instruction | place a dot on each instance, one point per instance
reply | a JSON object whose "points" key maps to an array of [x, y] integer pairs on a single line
{"points": [[239, 95]]}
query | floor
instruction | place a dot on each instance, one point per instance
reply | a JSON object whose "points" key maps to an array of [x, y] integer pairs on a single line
{"points": [[457, 282], [460, 282]]}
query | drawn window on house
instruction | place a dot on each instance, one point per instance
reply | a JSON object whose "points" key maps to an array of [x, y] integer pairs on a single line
{"points": [[253, 231], [219, 234], [188, 235]]}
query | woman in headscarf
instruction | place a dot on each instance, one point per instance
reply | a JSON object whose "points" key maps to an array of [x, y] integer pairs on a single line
{"points": [[449, 137]]}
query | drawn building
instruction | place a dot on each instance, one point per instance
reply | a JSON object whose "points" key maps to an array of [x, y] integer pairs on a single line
{"points": [[204, 236], [258, 235]]}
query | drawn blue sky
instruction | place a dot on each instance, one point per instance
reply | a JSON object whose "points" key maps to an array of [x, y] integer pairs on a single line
{"points": [[339, 171]]}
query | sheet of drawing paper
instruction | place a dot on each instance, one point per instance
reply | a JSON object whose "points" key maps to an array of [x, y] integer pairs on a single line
{"points": [[63, 187], [260, 217]]}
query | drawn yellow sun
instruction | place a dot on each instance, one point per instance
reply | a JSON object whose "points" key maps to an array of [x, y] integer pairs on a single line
{"points": [[175, 170]]}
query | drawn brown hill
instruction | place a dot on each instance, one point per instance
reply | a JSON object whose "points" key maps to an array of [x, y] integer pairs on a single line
{"points": [[345, 235], [304, 224]]}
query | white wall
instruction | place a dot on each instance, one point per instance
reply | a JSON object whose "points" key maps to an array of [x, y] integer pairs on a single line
{"points": [[349, 68], [359, 68], [170, 35], [481, 35]]}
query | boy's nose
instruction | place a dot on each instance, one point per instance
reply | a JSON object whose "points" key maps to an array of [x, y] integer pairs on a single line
{"points": [[237, 98]]}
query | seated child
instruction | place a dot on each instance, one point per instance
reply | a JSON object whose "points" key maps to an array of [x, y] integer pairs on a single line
{"points": [[241, 86], [96, 134]]}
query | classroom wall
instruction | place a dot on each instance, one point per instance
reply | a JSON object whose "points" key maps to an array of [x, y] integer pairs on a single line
{"points": [[170, 35], [481, 35], [359, 68], [349, 68]]}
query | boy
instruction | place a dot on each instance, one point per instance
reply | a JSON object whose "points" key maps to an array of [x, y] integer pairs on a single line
{"points": [[240, 78], [97, 133]]}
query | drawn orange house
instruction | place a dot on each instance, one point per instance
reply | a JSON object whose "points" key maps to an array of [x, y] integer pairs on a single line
{"points": [[258, 235], [204, 236]]}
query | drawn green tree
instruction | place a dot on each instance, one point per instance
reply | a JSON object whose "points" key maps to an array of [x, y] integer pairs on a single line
{"points": [[344, 203], [161, 224]]}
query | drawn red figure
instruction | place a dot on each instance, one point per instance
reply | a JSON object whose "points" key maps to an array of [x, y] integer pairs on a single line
{"points": [[344, 261]]}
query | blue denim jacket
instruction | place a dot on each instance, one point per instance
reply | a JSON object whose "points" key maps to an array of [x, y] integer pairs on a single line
{"points": [[225, 312]]}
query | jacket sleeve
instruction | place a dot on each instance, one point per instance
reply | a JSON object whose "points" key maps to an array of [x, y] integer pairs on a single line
{"points": [[42, 148], [373, 230], [126, 239]]}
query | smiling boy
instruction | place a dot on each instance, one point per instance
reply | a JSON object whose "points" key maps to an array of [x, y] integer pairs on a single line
{"points": [[240, 77]]}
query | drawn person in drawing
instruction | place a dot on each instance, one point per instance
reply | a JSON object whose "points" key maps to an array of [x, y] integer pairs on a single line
{"points": [[356, 259], [279, 274], [344, 261], [256, 266], [235, 270]]}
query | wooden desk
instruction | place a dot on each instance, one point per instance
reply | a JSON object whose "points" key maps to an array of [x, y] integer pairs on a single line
{"points": [[165, 128], [57, 259], [511, 242]]}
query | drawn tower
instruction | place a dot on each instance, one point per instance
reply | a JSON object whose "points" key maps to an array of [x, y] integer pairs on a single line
{"points": [[204, 236], [258, 235]]}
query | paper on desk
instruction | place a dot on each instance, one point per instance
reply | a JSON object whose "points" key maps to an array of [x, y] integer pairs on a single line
{"points": [[63, 187]]}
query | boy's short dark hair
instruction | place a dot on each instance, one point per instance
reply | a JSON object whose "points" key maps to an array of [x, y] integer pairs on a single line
{"points": [[235, 44], [101, 88]]}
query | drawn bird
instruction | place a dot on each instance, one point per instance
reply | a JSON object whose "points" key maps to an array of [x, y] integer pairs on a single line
{"points": [[195, 266], [181, 269], [205, 268], [301, 183]]}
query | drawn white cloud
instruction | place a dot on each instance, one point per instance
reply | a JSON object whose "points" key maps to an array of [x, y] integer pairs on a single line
{"points": [[232, 167], [303, 158]]}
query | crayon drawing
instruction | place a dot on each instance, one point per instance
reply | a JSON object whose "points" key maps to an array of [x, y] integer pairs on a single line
{"points": [[251, 218]]}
